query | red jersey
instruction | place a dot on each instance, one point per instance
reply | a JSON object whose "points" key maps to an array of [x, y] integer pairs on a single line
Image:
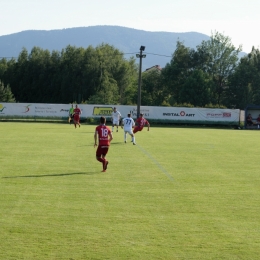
{"points": [[103, 134], [141, 122], [77, 111]]}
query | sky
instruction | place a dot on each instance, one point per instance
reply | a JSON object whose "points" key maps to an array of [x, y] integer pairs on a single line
{"points": [[237, 19]]}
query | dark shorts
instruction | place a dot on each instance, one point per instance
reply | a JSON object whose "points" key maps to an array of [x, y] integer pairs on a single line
{"points": [[102, 150]]}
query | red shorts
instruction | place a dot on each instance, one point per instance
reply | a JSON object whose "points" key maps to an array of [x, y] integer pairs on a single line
{"points": [[102, 150], [137, 128], [76, 119]]}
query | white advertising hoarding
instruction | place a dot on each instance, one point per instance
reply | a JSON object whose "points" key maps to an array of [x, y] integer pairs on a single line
{"points": [[181, 114]]}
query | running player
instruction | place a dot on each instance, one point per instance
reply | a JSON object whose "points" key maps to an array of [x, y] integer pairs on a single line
{"points": [[128, 123], [104, 136], [140, 123], [116, 116], [76, 116]]}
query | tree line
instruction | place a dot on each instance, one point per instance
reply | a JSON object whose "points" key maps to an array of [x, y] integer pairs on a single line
{"points": [[212, 75]]}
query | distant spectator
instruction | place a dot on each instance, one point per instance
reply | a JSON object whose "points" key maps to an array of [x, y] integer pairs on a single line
{"points": [[249, 120], [258, 121]]}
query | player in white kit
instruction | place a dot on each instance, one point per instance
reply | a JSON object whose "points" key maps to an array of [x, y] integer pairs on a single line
{"points": [[128, 123], [116, 116]]}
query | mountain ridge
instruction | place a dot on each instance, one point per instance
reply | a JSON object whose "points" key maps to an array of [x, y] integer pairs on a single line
{"points": [[159, 45]]}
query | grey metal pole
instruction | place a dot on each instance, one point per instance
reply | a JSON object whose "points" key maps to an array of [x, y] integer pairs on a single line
{"points": [[139, 84]]}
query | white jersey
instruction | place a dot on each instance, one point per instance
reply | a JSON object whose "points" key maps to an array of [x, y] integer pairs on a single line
{"points": [[128, 123], [116, 117]]}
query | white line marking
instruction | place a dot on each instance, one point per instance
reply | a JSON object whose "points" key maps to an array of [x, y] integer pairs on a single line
{"points": [[156, 162]]}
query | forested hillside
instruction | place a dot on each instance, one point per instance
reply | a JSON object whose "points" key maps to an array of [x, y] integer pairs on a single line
{"points": [[210, 75]]}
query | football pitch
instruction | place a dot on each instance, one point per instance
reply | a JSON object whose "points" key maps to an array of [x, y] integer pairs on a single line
{"points": [[180, 193]]}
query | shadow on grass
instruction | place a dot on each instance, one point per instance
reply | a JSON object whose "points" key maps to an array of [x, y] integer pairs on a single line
{"points": [[51, 175], [112, 143], [86, 132]]}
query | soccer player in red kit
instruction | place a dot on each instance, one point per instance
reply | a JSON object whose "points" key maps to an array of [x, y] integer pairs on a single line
{"points": [[76, 116], [104, 136], [140, 123]]}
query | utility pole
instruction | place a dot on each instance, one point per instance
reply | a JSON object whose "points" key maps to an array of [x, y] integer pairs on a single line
{"points": [[140, 56]]}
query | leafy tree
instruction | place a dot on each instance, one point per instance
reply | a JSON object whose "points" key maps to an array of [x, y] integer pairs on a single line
{"points": [[152, 89], [220, 59], [74, 74], [199, 77], [129, 85], [3, 67], [244, 83], [175, 73], [195, 90], [185, 76], [254, 58], [71, 71], [114, 76], [6, 94], [126, 78]]}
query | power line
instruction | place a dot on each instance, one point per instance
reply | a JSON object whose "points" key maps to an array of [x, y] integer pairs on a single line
{"points": [[159, 54], [127, 53]]}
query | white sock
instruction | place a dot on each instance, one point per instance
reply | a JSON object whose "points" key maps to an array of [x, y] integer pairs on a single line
{"points": [[125, 136], [133, 139]]}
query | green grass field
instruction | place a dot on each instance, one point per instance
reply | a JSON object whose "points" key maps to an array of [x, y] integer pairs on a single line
{"points": [[180, 193]]}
